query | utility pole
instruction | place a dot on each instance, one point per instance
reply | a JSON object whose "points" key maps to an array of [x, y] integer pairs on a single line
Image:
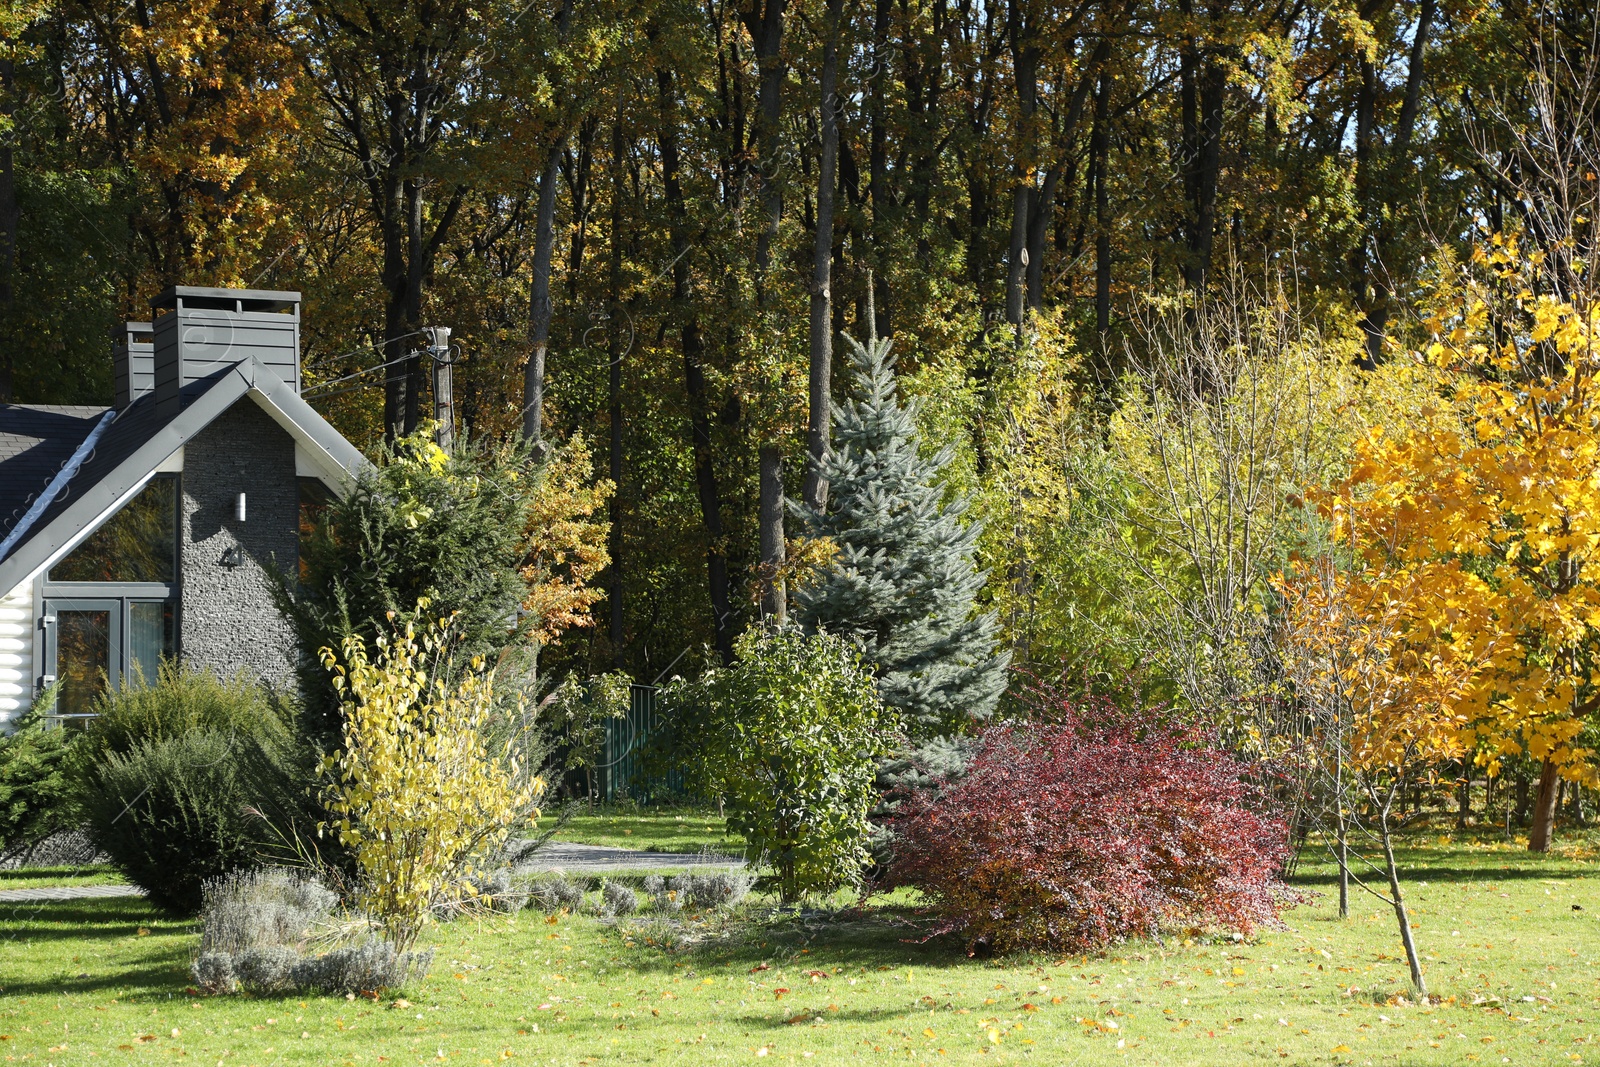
{"points": [[444, 408]]}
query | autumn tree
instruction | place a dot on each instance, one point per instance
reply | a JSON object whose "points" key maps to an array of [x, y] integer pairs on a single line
{"points": [[1383, 657], [505, 549], [1499, 480]]}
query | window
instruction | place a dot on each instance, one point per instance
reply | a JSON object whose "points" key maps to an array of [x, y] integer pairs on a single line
{"points": [[137, 544], [314, 501], [110, 604]]}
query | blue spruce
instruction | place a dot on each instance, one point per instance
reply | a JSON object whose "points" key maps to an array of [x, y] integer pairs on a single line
{"points": [[904, 583]]}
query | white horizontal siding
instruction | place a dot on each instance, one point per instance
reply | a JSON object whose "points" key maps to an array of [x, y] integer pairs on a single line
{"points": [[16, 653]]}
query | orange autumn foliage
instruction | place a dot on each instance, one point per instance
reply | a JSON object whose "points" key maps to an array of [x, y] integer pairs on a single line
{"points": [[1483, 519], [566, 545]]}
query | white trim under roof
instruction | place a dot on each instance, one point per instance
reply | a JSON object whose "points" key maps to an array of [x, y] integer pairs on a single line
{"points": [[59, 482]]}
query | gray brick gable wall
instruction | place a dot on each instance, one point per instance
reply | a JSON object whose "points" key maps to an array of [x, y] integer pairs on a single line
{"points": [[227, 620]]}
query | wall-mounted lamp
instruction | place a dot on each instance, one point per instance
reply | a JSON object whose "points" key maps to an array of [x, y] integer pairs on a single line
{"points": [[239, 509], [232, 557]]}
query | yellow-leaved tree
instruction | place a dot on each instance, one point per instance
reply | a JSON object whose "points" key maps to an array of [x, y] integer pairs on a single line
{"points": [[430, 778], [1379, 660], [1490, 503]]}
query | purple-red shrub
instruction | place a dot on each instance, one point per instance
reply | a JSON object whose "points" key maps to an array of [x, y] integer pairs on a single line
{"points": [[1094, 826]]}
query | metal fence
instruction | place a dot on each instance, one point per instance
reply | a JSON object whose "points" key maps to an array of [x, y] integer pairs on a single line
{"points": [[623, 771]]}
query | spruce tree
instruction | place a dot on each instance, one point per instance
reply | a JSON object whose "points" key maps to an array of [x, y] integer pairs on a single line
{"points": [[904, 582]]}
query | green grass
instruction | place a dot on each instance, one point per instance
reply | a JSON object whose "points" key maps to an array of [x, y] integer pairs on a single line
{"points": [[44, 877], [103, 981], [652, 830]]}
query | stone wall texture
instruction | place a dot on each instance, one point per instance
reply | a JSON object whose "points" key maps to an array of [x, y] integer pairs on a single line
{"points": [[227, 620]]}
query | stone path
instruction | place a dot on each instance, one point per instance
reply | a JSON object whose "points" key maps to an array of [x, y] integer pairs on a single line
{"points": [[603, 859], [574, 859], [68, 892]]}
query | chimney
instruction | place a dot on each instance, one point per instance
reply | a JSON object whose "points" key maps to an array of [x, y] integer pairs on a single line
{"points": [[134, 360], [200, 333]]}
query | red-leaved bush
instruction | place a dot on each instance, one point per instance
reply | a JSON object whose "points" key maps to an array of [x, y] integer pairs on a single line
{"points": [[1096, 826]]}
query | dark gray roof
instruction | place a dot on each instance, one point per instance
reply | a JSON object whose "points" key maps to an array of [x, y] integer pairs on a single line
{"points": [[35, 441], [140, 438]]}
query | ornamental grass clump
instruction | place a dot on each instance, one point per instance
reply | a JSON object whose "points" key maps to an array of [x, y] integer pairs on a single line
{"points": [[431, 778], [1091, 828]]}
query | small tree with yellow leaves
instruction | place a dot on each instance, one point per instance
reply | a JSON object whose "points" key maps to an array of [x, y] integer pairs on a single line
{"points": [[1384, 665], [424, 787]]}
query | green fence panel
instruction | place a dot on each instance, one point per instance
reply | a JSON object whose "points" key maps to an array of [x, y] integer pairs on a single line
{"points": [[622, 770]]}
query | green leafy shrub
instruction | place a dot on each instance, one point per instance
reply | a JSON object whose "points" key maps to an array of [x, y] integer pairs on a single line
{"points": [[187, 779], [581, 708], [500, 544], [789, 741], [36, 796]]}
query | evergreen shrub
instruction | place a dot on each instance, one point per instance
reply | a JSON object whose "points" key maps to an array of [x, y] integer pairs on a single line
{"points": [[904, 582], [1090, 827], [187, 779], [36, 796]]}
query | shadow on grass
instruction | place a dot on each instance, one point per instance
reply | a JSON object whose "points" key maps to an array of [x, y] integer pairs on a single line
{"points": [[90, 918], [155, 977], [22, 877]]}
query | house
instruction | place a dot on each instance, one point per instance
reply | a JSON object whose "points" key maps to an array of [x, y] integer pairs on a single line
{"points": [[148, 528]]}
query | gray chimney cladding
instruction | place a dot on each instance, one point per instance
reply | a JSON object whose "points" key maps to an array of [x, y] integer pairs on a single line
{"points": [[202, 332]]}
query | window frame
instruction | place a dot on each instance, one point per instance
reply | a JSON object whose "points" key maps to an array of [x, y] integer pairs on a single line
{"points": [[176, 479], [52, 596]]}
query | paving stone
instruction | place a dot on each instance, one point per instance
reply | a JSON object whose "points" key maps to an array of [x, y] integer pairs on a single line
{"points": [[587, 859], [68, 892], [600, 859]]}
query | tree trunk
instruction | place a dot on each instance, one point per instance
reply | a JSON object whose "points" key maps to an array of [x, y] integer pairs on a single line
{"points": [[1024, 197], [1202, 90], [1342, 832], [1522, 800], [764, 21], [1544, 809], [820, 414], [774, 601], [10, 221], [616, 351], [1099, 150], [542, 310], [1398, 901], [694, 377], [1464, 795]]}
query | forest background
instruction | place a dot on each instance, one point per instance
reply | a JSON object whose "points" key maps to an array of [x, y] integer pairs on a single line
{"points": [[648, 222]]}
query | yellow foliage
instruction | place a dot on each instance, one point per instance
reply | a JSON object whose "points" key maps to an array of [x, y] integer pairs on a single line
{"points": [[419, 792], [566, 545], [1369, 648], [1489, 508]]}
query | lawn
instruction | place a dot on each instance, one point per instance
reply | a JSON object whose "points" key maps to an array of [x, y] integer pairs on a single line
{"points": [[653, 830], [1507, 946]]}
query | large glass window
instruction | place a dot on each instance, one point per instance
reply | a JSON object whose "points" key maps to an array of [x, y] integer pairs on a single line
{"points": [[85, 654], [137, 544], [151, 635]]}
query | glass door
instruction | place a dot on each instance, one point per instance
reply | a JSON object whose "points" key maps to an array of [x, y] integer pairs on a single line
{"points": [[83, 642]]}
